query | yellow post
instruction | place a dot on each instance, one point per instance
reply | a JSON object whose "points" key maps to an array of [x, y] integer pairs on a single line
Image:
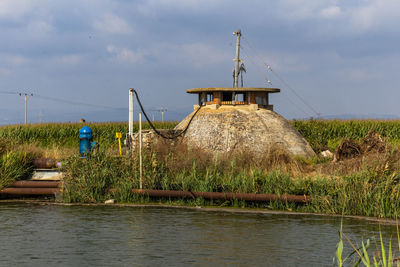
{"points": [[119, 136]]}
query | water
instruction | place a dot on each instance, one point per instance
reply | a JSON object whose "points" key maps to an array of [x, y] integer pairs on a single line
{"points": [[35, 235]]}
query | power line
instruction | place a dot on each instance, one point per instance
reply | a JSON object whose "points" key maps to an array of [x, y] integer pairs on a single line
{"points": [[268, 81], [75, 102], [281, 79], [66, 101], [8, 93]]}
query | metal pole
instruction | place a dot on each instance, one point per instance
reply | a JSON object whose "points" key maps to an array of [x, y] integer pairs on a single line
{"points": [[237, 60], [130, 131], [26, 112], [140, 152]]}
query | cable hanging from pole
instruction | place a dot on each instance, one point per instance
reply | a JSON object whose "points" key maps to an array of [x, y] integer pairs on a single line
{"points": [[154, 128], [281, 79], [270, 83]]}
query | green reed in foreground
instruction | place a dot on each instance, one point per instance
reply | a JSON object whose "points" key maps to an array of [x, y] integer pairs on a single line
{"points": [[362, 256]]}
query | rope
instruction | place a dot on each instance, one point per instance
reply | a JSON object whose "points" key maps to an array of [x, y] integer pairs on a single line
{"points": [[154, 128]]}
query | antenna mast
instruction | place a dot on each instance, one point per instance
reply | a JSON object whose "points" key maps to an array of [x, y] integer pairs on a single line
{"points": [[238, 33]]}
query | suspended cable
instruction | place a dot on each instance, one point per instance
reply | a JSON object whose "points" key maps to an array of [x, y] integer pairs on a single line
{"points": [[258, 67], [268, 81], [154, 128], [74, 102], [280, 78], [8, 93]]}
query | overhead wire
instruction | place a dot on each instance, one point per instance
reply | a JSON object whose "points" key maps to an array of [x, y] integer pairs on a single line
{"points": [[280, 78], [269, 82], [63, 100]]}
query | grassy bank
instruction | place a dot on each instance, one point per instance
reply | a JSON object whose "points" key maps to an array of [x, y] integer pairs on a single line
{"points": [[14, 165], [367, 185]]}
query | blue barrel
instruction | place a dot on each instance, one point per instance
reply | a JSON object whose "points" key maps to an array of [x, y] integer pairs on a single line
{"points": [[85, 140]]}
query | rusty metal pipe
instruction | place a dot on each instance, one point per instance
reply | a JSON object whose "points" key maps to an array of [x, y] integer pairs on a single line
{"points": [[223, 196], [167, 193], [45, 163], [29, 191], [35, 184]]}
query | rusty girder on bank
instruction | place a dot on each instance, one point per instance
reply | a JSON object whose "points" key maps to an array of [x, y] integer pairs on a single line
{"points": [[53, 187]]}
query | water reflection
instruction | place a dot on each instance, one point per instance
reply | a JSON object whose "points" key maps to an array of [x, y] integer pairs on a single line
{"points": [[33, 235]]}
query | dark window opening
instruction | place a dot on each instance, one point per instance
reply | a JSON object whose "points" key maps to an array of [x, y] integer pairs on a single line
{"points": [[227, 96]]}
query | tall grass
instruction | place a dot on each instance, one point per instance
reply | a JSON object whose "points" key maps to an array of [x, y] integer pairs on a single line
{"points": [[14, 165], [369, 192], [362, 256]]}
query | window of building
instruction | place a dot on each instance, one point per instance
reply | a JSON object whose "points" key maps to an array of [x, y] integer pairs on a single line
{"points": [[261, 99], [210, 97], [227, 96], [240, 97]]}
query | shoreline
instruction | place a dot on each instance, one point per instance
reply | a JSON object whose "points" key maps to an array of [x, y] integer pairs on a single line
{"points": [[231, 210]]}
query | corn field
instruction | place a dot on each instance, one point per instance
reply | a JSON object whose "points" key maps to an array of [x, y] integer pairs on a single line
{"points": [[67, 134]]}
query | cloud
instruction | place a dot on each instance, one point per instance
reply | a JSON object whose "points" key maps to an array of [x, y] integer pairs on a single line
{"points": [[377, 14], [112, 24], [11, 9], [331, 12], [4, 71], [124, 55], [15, 59], [200, 55], [69, 59]]}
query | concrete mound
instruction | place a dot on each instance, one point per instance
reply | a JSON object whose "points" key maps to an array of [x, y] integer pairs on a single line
{"points": [[230, 128]]}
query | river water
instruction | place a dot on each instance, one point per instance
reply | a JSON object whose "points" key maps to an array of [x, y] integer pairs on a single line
{"points": [[39, 235]]}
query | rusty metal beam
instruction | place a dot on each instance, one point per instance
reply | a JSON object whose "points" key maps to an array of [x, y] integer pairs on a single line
{"points": [[223, 196], [50, 188], [45, 163], [29, 191], [35, 184]]}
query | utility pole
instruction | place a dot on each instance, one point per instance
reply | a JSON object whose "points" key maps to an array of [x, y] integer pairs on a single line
{"points": [[238, 33], [26, 95], [140, 153], [130, 129], [162, 110]]}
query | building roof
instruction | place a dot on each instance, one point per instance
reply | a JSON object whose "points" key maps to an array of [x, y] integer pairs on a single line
{"points": [[232, 89]]}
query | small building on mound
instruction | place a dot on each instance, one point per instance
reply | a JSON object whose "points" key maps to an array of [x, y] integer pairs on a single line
{"points": [[233, 119], [228, 119]]}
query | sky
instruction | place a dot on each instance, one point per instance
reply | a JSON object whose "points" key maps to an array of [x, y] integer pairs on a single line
{"points": [[80, 57]]}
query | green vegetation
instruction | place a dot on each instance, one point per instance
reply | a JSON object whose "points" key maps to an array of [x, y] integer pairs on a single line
{"points": [[66, 135], [329, 133], [14, 165], [367, 185], [361, 254]]}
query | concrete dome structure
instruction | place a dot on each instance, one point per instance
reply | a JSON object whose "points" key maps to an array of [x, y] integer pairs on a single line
{"points": [[223, 126]]}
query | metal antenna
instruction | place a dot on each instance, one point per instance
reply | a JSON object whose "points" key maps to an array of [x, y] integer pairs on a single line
{"points": [[238, 33], [26, 95]]}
